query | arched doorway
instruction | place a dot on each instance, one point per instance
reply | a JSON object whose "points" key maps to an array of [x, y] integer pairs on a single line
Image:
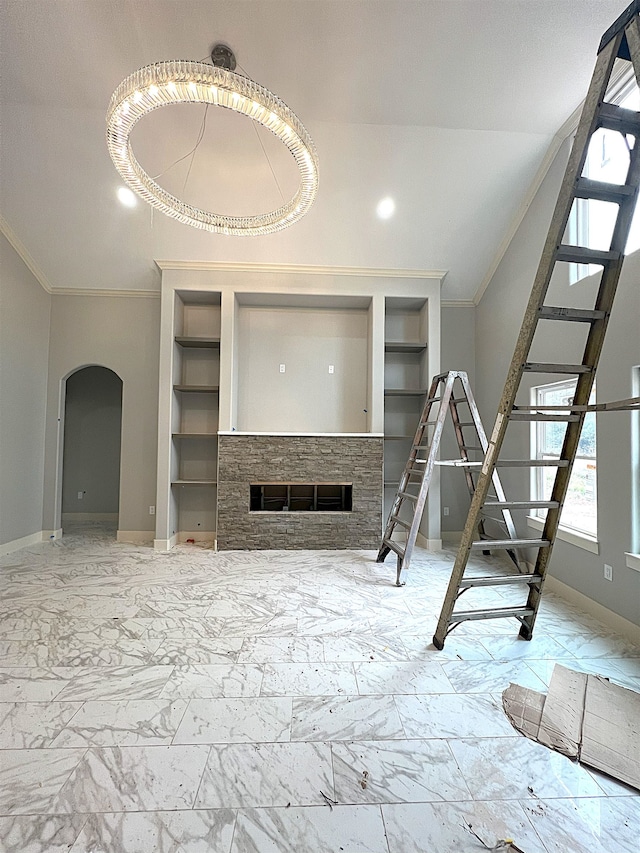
{"points": [[91, 454]]}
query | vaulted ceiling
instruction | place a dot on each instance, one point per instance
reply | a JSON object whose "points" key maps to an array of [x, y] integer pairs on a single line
{"points": [[447, 106]]}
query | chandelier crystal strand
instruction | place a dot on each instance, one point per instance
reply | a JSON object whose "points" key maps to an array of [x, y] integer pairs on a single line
{"points": [[178, 82]]}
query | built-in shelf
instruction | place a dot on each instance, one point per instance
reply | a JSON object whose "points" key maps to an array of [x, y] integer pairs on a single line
{"points": [[194, 435], [197, 389], [404, 392], [197, 342], [404, 346], [194, 483]]}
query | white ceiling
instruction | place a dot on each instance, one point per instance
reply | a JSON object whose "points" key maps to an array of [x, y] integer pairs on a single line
{"points": [[448, 106]]}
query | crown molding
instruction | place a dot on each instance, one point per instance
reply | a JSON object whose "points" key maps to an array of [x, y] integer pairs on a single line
{"points": [[94, 291], [621, 75], [372, 272], [22, 251]]}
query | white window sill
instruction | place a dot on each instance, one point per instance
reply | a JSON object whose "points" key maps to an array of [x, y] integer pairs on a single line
{"points": [[633, 561], [580, 540]]}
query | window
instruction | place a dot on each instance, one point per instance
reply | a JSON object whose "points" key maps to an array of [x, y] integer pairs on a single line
{"points": [[591, 222], [580, 507]]}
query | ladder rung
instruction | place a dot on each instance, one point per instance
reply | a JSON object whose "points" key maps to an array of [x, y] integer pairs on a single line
{"points": [[618, 118], [408, 495], [394, 546], [537, 416], [458, 463], [532, 463], [542, 367], [495, 613], [502, 580], [459, 400], [572, 315], [508, 544], [522, 504], [582, 255], [466, 423], [601, 191], [471, 447], [401, 522]]}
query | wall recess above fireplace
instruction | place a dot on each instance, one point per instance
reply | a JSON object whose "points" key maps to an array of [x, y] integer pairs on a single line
{"points": [[301, 497]]}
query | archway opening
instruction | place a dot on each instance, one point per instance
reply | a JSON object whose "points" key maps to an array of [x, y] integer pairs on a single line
{"points": [[91, 456]]}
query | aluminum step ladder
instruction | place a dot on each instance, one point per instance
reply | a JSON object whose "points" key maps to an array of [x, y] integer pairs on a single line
{"points": [[621, 41], [448, 391]]}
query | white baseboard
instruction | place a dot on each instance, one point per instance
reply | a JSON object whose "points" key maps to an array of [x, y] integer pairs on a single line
{"points": [[429, 544], [613, 620], [89, 516], [23, 542], [197, 535], [165, 544], [51, 535], [135, 537]]}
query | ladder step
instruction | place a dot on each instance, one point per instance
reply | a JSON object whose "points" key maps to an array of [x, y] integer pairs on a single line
{"points": [[407, 495], [537, 416], [522, 504], [542, 367], [503, 580], [458, 463], [508, 544], [471, 447], [401, 522], [532, 463], [494, 613], [601, 191], [582, 255], [466, 423], [572, 315], [394, 546], [617, 118]]}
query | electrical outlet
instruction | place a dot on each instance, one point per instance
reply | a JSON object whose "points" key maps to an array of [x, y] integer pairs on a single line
{"points": [[608, 572], [80, 495], [445, 510], [282, 368], [152, 510], [330, 368]]}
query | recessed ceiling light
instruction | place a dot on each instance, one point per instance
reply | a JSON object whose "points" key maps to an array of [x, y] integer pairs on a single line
{"points": [[127, 197], [386, 208]]}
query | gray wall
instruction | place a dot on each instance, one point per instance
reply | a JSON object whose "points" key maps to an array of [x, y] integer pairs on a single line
{"points": [[24, 347], [457, 353], [306, 398], [92, 420], [498, 319], [122, 334]]}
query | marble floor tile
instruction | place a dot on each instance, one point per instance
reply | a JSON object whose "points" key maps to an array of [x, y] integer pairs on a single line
{"points": [[243, 775], [540, 647], [118, 683], [308, 679], [40, 833], [32, 725], [406, 677], [397, 771], [202, 831], [345, 718], [363, 648], [623, 671], [593, 646], [313, 626], [31, 778], [281, 650], [201, 650], [136, 722], [178, 628], [443, 827], [260, 626], [450, 715], [260, 720], [33, 684], [213, 681], [312, 829], [599, 825], [134, 778], [517, 768], [490, 676], [455, 648]]}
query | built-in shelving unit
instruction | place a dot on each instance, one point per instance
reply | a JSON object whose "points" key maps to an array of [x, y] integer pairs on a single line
{"points": [[194, 415], [405, 383]]}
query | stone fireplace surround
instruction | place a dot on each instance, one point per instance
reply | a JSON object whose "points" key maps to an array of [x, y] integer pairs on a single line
{"points": [[247, 458]]}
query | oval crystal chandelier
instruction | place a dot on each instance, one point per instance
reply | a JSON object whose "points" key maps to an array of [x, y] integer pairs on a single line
{"points": [[180, 82]]}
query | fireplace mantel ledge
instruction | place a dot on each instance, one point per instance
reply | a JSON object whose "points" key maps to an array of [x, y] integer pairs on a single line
{"points": [[306, 434]]}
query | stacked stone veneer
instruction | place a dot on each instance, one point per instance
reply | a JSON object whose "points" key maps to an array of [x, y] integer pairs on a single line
{"points": [[247, 459]]}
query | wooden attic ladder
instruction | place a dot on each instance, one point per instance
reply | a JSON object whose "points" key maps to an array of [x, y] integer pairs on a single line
{"points": [[447, 393], [622, 41]]}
